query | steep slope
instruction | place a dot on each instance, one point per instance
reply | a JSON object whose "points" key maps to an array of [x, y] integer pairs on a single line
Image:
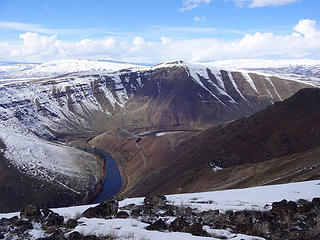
{"points": [[279, 144], [177, 95], [167, 95], [281, 129]]}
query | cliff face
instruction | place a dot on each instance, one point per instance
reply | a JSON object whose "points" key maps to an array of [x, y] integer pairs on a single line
{"points": [[164, 96], [35, 114]]}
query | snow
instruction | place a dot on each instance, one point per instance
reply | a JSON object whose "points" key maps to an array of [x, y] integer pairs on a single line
{"points": [[59, 67], [262, 63], [243, 199], [275, 90], [49, 161], [235, 85], [127, 229], [159, 134], [254, 198], [250, 81], [305, 70]]}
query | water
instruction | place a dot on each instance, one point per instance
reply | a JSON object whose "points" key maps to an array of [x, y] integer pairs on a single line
{"points": [[112, 182]]}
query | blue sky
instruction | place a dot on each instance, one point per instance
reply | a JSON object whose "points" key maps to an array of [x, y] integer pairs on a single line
{"points": [[158, 30]]}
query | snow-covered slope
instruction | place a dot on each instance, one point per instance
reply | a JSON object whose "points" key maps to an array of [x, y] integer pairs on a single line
{"points": [[59, 67], [257, 198], [53, 162], [95, 96], [298, 69]]}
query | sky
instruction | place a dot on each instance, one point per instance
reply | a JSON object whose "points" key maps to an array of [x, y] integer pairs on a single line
{"points": [[153, 31]]}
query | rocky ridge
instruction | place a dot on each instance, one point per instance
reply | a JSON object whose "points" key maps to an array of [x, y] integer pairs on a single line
{"points": [[39, 114]]}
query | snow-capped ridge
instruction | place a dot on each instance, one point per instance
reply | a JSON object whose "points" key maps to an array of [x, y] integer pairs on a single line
{"points": [[61, 67]]}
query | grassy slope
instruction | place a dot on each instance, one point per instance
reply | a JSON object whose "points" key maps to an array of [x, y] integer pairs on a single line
{"points": [[277, 145]]}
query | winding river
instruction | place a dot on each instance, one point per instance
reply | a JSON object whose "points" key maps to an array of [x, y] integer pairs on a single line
{"points": [[112, 181]]}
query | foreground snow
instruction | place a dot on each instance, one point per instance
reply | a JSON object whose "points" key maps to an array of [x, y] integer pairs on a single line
{"points": [[255, 198]]}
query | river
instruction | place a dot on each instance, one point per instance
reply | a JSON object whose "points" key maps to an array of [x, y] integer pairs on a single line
{"points": [[112, 181]]}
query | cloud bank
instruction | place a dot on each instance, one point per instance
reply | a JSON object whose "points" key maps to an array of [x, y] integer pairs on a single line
{"points": [[192, 4], [303, 42], [263, 3]]}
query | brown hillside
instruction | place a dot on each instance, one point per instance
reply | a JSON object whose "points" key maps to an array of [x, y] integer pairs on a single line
{"points": [[279, 144]]}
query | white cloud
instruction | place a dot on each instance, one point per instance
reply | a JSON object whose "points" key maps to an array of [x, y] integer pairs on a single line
{"points": [[263, 3], [199, 19], [303, 41], [166, 40], [191, 4], [307, 28], [30, 27], [138, 41]]}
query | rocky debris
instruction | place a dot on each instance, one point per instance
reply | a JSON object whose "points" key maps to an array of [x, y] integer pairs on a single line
{"points": [[316, 202], [23, 225], [178, 225], [105, 209], [57, 235], [71, 223], [136, 212], [284, 207], [122, 214], [158, 225], [54, 219], [30, 212], [196, 229], [155, 200], [168, 212], [304, 205], [286, 220], [77, 236], [50, 230], [46, 212]]}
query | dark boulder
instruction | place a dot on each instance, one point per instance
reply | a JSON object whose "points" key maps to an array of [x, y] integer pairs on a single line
{"points": [[54, 219], [122, 214], [196, 229], [46, 212], [75, 236], [23, 226], [304, 206], [284, 207], [316, 202], [71, 223], [8, 221], [30, 212], [155, 200], [105, 209], [158, 225], [178, 225], [50, 230], [169, 212], [136, 212], [57, 235]]}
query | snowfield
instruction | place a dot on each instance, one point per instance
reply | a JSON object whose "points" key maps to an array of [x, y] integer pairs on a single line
{"points": [[256, 198], [306, 70], [49, 161], [59, 67]]}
